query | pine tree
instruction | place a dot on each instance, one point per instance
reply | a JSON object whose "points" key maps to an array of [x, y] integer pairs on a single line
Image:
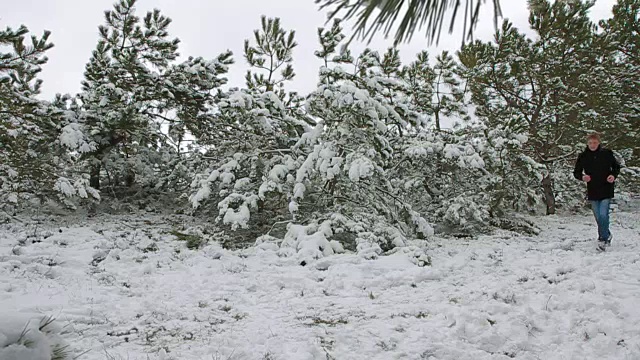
{"points": [[545, 89], [621, 36], [436, 91], [381, 76], [448, 95], [248, 146], [345, 180], [32, 161], [139, 104], [272, 52], [420, 77], [416, 15]]}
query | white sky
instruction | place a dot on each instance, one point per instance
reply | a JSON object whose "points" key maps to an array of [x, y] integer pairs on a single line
{"points": [[208, 27]]}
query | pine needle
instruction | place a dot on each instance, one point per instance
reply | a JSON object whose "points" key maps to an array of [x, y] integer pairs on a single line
{"points": [[419, 14]]}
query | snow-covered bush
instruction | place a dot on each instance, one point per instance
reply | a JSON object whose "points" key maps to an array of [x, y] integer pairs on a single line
{"points": [[250, 170], [248, 158], [310, 241], [515, 178], [361, 162], [630, 180], [322, 165], [440, 174], [350, 156]]}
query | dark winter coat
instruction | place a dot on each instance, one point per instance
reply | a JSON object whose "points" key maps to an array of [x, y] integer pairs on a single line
{"points": [[599, 165]]}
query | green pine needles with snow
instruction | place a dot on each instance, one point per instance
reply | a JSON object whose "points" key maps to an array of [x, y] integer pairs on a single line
{"points": [[367, 162]]}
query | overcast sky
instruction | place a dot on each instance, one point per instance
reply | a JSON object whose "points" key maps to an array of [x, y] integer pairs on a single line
{"points": [[208, 27]]}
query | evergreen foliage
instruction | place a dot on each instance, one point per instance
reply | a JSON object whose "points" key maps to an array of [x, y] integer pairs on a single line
{"points": [[380, 156]]}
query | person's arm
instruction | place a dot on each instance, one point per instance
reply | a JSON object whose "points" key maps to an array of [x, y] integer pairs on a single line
{"points": [[615, 166], [578, 170]]}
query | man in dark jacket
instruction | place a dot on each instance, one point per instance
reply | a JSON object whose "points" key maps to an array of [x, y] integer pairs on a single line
{"points": [[599, 168]]}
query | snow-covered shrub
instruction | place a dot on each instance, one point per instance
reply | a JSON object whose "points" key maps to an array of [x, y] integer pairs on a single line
{"points": [[440, 174], [250, 171], [325, 163], [629, 179], [349, 155], [514, 183], [310, 241], [31, 337], [370, 170], [250, 163], [464, 178]]}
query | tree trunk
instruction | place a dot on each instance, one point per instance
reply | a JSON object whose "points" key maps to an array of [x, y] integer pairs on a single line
{"points": [[94, 180], [130, 178], [549, 197]]}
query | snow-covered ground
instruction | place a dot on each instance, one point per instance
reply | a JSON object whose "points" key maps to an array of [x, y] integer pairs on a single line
{"points": [[122, 288]]}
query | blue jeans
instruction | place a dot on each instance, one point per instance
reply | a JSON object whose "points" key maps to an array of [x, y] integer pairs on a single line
{"points": [[601, 212]]}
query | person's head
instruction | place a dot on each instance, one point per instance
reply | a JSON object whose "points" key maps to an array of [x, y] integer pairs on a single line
{"points": [[593, 141]]}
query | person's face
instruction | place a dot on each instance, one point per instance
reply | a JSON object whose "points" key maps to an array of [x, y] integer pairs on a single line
{"points": [[593, 144]]}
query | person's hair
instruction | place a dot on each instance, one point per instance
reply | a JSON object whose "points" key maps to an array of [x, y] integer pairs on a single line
{"points": [[594, 136]]}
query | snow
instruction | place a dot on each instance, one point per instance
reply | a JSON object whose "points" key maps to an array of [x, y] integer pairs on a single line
{"points": [[311, 135], [72, 136], [63, 186], [122, 287], [298, 190], [28, 336], [360, 168], [423, 225], [310, 242], [293, 207], [240, 215], [203, 193], [278, 172], [240, 100], [12, 198]]}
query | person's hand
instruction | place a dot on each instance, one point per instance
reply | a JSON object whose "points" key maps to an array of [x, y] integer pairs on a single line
{"points": [[611, 179], [586, 178]]}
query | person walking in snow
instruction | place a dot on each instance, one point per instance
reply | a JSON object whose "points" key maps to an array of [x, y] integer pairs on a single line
{"points": [[599, 168]]}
